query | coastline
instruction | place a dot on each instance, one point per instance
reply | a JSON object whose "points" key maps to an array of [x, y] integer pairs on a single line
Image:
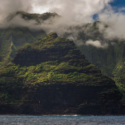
{"points": [[61, 115], [86, 110]]}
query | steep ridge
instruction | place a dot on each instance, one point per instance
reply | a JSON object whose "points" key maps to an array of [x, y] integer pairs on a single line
{"points": [[11, 39], [14, 37], [51, 76]]}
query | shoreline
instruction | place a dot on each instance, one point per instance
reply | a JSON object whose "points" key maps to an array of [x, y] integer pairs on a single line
{"points": [[56, 115]]}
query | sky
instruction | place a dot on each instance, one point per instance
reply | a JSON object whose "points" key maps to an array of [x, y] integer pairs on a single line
{"points": [[118, 3]]}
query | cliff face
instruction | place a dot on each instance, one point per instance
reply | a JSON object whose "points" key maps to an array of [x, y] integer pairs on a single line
{"points": [[51, 76]]}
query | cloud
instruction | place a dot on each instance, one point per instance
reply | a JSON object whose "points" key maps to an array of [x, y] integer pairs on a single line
{"points": [[96, 43], [115, 22], [10, 6], [74, 14], [73, 10], [18, 21], [78, 10]]}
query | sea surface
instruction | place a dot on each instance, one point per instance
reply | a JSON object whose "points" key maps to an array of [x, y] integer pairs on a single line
{"points": [[61, 120]]}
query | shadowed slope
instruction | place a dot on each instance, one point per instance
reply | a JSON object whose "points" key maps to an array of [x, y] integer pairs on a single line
{"points": [[51, 76]]}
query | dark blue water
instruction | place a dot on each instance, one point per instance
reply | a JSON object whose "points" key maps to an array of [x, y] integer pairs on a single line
{"points": [[62, 120]]}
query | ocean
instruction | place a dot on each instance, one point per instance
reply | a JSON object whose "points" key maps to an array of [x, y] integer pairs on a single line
{"points": [[61, 120]]}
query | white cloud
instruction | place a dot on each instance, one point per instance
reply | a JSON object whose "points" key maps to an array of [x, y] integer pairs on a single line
{"points": [[73, 12], [96, 43], [78, 10], [115, 22]]}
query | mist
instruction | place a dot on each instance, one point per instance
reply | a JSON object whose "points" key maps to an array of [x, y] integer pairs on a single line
{"points": [[96, 43], [115, 22], [74, 14]]}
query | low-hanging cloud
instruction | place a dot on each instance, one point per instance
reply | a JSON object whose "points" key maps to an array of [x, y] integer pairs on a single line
{"points": [[10, 6], [115, 23], [96, 43], [74, 13], [74, 10], [71, 10]]}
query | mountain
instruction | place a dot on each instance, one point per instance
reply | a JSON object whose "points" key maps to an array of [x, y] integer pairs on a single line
{"points": [[14, 37], [52, 76], [109, 59], [39, 18], [11, 39]]}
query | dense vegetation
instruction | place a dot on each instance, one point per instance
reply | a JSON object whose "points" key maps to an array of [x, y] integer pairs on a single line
{"points": [[52, 71], [53, 75], [110, 59], [11, 39]]}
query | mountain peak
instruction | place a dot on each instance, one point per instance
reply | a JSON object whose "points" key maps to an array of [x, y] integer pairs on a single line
{"points": [[52, 72], [52, 35], [32, 16]]}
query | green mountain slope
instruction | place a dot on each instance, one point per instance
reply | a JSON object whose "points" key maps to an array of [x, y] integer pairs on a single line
{"points": [[14, 37], [110, 59], [51, 76], [11, 39]]}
